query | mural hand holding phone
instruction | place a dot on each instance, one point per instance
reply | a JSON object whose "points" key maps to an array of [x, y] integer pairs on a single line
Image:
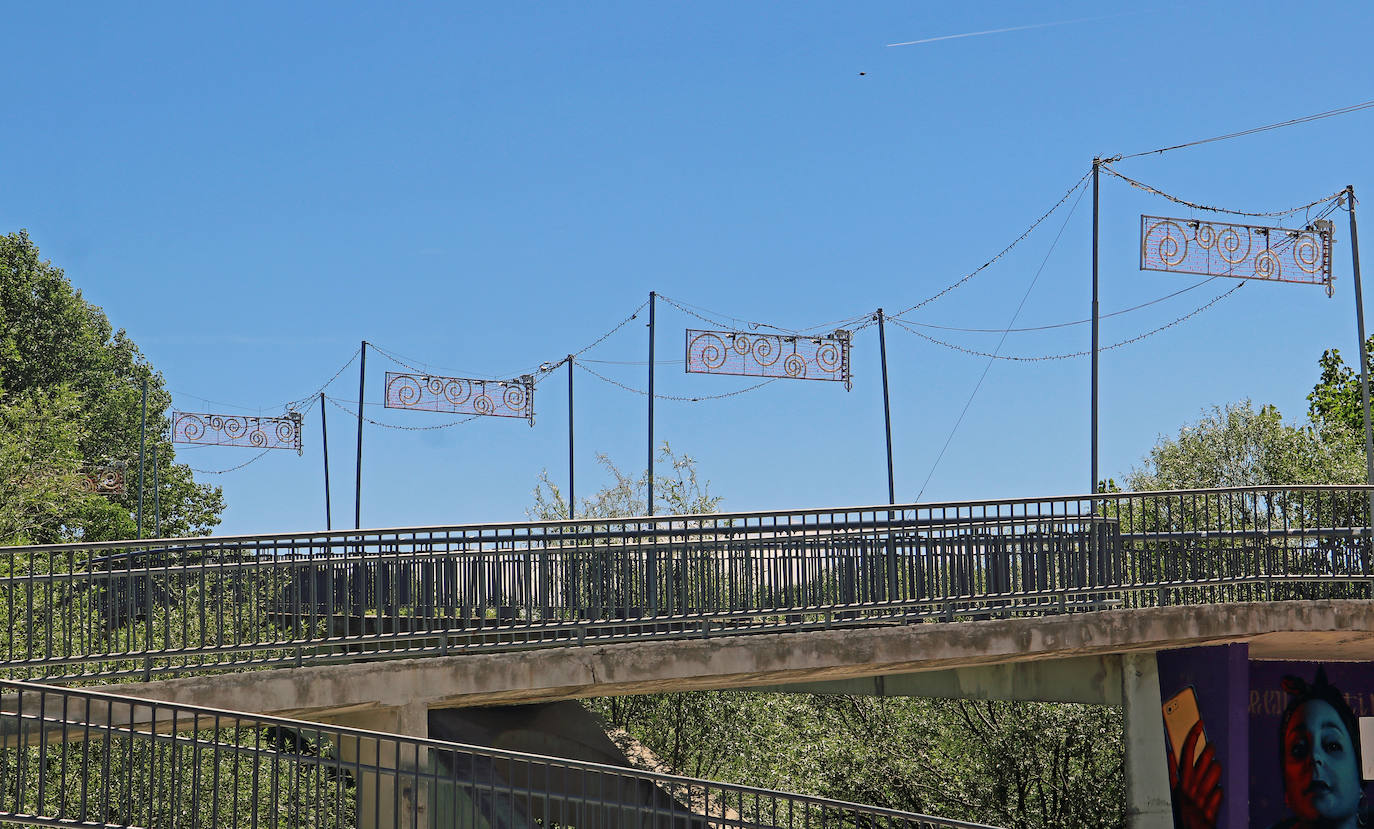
{"points": [[1194, 773]]}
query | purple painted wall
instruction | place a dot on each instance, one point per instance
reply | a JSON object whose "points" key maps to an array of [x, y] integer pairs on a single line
{"points": [[1220, 677]]}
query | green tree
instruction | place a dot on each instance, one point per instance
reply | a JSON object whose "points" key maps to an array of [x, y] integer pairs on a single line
{"points": [[41, 481], [80, 381], [1011, 763], [679, 493], [1336, 398], [1237, 445], [1014, 764]]}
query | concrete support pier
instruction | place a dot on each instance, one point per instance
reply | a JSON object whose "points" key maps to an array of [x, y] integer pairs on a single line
{"points": [[1147, 770]]}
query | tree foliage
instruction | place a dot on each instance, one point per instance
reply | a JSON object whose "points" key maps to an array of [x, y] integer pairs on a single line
{"points": [[1012, 764], [1336, 398], [680, 493], [70, 400], [1237, 445]]}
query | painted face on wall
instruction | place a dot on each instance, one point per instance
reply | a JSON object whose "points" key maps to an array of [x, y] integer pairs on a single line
{"points": [[1321, 774]]}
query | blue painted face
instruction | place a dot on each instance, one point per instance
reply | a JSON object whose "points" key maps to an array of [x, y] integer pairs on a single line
{"points": [[1321, 774]]}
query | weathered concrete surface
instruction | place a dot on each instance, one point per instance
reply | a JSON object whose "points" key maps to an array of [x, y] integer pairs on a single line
{"points": [[1327, 630], [1148, 801], [1095, 680]]}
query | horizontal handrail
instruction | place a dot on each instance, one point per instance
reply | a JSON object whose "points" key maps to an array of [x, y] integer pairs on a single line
{"points": [[356, 535], [116, 609], [82, 756]]}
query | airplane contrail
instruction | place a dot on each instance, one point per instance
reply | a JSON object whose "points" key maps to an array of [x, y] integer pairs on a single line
{"points": [[1008, 29]]}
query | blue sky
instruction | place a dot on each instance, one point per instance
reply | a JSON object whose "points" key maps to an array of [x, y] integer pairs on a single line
{"points": [[252, 190]]}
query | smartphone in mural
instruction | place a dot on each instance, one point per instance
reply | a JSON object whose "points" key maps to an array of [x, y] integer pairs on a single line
{"points": [[1180, 715]]}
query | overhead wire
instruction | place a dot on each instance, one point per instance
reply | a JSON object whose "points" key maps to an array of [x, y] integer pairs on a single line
{"points": [[1053, 326], [354, 413], [1003, 252], [675, 397], [253, 459], [722, 320], [606, 336], [1075, 354], [960, 419], [1213, 209], [635, 362], [1330, 113], [409, 363], [289, 405]]}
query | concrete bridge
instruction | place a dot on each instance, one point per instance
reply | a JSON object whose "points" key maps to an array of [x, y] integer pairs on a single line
{"points": [[1065, 599]]}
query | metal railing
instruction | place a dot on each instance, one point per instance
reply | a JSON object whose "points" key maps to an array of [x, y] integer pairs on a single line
{"points": [[70, 757], [152, 608]]}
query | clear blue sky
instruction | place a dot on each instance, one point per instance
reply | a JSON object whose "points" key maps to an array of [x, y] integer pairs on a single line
{"points": [[250, 190]]}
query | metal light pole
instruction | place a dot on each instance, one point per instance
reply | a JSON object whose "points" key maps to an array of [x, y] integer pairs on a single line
{"points": [[1364, 357], [358, 485], [650, 465], [1097, 163], [157, 499], [572, 476], [324, 442], [142, 447], [891, 488], [887, 408]]}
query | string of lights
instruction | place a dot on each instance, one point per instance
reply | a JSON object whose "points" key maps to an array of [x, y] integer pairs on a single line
{"points": [[953, 430], [1213, 209], [354, 413], [290, 405], [599, 340], [309, 399], [1072, 355], [1070, 324], [731, 323], [635, 362], [679, 398], [253, 459], [1003, 252], [410, 364]]}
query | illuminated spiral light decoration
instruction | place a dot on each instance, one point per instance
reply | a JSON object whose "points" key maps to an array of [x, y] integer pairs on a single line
{"points": [[710, 350], [1274, 254], [1268, 266], [1172, 246], [1307, 253], [1206, 235], [286, 431], [782, 356], [235, 427], [109, 480], [1229, 245], [237, 430], [404, 389], [457, 391], [828, 357], [190, 427], [766, 352], [461, 395], [105, 480]]}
